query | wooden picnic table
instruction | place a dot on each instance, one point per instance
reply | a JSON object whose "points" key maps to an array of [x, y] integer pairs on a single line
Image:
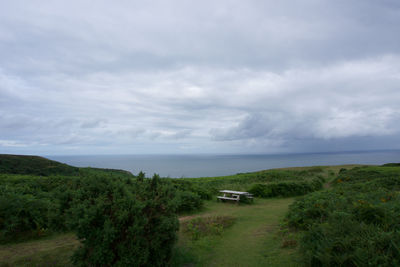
{"points": [[234, 195]]}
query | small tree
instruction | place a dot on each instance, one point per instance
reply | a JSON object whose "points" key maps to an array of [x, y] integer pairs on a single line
{"points": [[141, 176]]}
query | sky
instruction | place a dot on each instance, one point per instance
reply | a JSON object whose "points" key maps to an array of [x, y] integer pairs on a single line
{"points": [[183, 77]]}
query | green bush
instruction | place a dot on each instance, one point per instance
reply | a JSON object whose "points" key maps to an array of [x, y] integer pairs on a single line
{"points": [[22, 217], [202, 190], [259, 190], [391, 165], [285, 189], [187, 201], [121, 227], [343, 241], [120, 221], [355, 223]]}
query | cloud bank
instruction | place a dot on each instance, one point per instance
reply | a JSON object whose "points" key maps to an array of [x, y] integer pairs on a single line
{"points": [[80, 77]]}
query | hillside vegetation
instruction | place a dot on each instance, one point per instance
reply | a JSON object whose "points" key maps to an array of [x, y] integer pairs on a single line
{"points": [[353, 223], [120, 219], [34, 165], [343, 216], [265, 184]]}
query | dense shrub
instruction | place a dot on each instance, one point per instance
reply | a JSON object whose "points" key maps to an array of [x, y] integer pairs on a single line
{"points": [[391, 165], [343, 241], [22, 217], [120, 220], [187, 201], [356, 223], [202, 190], [241, 181], [121, 227], [285, 189]]}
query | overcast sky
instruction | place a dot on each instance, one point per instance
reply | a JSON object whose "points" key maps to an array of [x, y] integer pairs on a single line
{"points": [[135, 77]]}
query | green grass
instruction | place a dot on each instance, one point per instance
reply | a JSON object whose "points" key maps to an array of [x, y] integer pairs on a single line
{"points": [[253, 240], [52, 251]]}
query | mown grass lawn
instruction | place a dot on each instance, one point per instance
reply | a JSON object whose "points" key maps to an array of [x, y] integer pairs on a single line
{"points": [[253, 240]]}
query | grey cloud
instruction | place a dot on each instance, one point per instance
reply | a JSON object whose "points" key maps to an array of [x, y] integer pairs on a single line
{"points": [[220, 34], [209, 76], [93, 123], [252, 126]]}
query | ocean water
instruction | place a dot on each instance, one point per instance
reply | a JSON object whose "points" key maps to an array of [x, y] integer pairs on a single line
{"points": [[178, 166]]}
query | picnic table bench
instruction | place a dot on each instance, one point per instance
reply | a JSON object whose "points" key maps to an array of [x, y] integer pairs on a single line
{"points": [[234, 195]]}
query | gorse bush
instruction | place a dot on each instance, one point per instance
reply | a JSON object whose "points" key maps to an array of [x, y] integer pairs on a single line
{"points": [[120, 220], [201, 190], [22, 216], [356, 223], [120, 227], [33, 206], [285, 189], [187, 201]]}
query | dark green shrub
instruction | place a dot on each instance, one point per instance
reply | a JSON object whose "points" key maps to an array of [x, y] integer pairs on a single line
{"points": [[245, 200], [187, 201], [121, 221], [355, 223], [259, 190], [141, 176], [121, 227], [202, 191], [369, 213], [343, 241], [391, 165], [22, 217], [285, 189]]}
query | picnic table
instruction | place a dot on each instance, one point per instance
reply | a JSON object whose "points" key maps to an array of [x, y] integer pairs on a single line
{"points": [[234, 195]]}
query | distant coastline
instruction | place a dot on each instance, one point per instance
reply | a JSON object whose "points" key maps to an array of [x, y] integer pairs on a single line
{"points": [[203, 165]]}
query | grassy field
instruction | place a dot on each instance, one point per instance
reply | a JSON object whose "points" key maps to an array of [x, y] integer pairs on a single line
{"points": [[253, 240], [51, 251]]}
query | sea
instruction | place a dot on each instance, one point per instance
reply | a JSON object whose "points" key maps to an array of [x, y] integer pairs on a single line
{"points": [[205, 165]]}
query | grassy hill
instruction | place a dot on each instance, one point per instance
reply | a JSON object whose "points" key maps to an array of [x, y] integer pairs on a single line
{"points": [[34, 165], [40, 166]]}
